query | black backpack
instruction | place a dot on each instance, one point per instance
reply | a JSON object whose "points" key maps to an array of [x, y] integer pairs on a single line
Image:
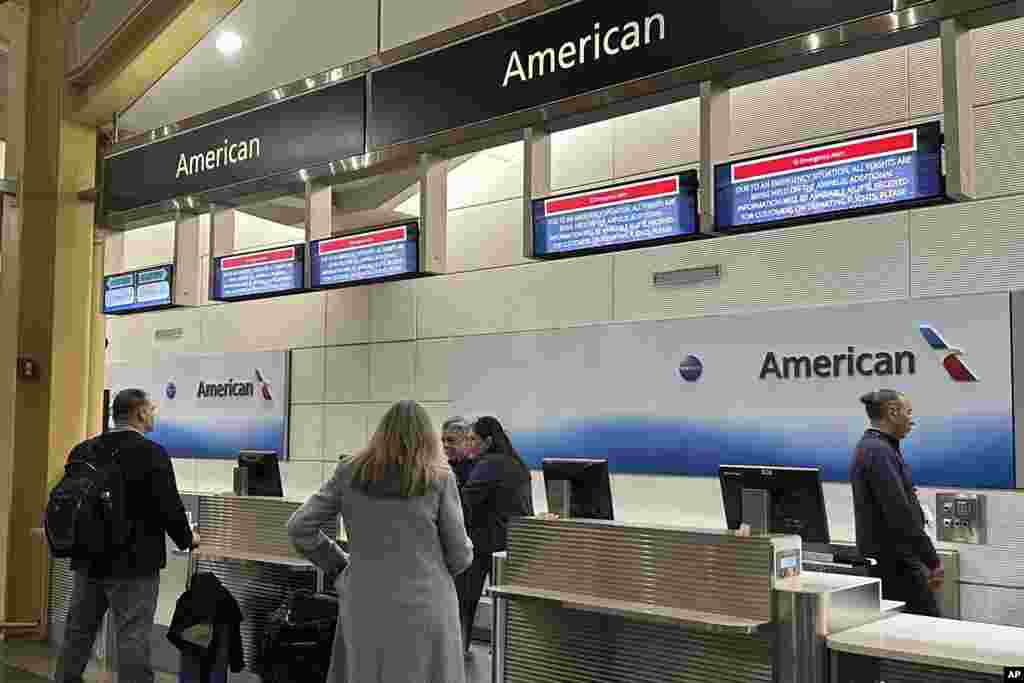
{"points": [[298, 640], [86, 517]]}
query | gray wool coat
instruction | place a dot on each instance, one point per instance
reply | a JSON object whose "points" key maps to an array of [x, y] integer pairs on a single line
{"points": [[399, 614]]}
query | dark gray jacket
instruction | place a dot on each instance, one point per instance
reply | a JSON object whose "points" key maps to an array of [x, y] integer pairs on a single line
{"points": [[888, 514]]}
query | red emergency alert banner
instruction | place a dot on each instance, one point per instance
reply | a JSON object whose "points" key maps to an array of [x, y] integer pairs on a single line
{"points": [[259, 259], [650, 189], [366, 239], [820, 157]]}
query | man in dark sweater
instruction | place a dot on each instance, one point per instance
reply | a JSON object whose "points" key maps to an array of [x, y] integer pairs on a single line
{"points": [[128, 584], [889, 519]]}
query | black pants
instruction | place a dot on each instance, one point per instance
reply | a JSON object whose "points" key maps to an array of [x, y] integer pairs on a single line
{"points": [[906, 580], [470, 586], [132, 604]]}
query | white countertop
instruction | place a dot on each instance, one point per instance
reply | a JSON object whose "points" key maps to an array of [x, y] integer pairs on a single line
{"points": [[892, 606], [818, 583], [963, 645]]}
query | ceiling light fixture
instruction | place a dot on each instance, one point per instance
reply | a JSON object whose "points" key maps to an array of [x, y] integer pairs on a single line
{"points": [[229, 43]]}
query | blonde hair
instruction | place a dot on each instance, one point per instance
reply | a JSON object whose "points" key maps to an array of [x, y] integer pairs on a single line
{"points": [[406, 440]]}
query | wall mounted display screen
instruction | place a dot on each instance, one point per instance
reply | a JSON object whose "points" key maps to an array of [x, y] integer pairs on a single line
{"points": [[884, 171], [259, 274], [140, 290], [382, 254], [628, 215]]}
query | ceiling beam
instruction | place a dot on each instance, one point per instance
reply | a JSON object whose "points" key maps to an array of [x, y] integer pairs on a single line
{"points": [[147, 44]]}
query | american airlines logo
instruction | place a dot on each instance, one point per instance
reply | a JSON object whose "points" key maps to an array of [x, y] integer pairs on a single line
{"points": [[233, 389], [954, 365]]}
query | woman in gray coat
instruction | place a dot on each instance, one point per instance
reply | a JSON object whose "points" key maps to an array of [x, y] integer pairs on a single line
{"points": [[399, 615]]}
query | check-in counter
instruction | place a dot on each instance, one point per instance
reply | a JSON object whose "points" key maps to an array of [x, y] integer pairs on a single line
{"points": [[911, 649], [595, 601], [245, 544]]}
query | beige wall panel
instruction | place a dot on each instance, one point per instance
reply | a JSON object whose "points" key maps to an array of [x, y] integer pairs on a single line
{"points": [[657, 138], [306, 433], [215, 476], [348, 316], [925, 63], [300, 480], [846, 96], [347, 429], [535, 297], [133, 337], [967, 248], [486, 177], [392, 311], [149, 246], [432, 368], [403, 21], [486, 236], [392, 372], [583, 155], [307, 370], [439, 412], [267, 325], [347, 374], [185, 474], [1000, 145], [997, 49], [860, 259]]}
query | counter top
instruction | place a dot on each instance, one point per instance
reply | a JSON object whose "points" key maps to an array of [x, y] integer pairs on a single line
{"points": [[816, 583], [704, 621], [892, 606], [947, 643]]}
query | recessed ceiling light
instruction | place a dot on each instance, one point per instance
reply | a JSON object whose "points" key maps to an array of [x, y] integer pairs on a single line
{"points": [[229, 43]]}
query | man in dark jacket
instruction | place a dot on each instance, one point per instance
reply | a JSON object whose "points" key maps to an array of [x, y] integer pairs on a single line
{"points": [[889, 519], [454, 435], [128, 584]]}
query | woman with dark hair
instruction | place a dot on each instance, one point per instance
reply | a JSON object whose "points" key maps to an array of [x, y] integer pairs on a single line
{"points": [[498, 489]]}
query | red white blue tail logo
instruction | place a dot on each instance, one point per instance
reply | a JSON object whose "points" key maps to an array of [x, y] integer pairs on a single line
{"points": [[264, 386], [953, 363]]}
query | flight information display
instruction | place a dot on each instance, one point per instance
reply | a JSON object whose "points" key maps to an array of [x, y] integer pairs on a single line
{"points": [[259, 274], [380, 254], [629, 215], [140, 290], [876, 172]]}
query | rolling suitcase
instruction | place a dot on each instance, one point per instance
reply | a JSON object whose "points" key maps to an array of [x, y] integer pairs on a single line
{"points": [[299, 638]]}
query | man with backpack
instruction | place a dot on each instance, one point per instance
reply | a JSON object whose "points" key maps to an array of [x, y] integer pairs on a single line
{"points": [[109, 514]]}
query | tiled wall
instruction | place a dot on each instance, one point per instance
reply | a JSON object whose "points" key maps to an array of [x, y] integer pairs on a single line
{"points": [[355, 350]]}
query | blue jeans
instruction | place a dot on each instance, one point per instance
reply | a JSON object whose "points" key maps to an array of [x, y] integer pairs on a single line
{"points": [[132, 605]]}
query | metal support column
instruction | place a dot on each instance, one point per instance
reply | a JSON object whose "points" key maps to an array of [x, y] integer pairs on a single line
{"points": [[958, 92], [715, 135], [536, 178]]}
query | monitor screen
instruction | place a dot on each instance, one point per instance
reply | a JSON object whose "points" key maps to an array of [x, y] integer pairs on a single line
{"points": [[264, 475], [875, 172], [259, 274], [797, 498], [628, 215], [139, 290], [588, 482], [372, 256]]}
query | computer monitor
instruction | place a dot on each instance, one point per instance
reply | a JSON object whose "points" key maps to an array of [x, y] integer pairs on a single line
{"points": [[260, 474], [578, 487], [797, 501]]}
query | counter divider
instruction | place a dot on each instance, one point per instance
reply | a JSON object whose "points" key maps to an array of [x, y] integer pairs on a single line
{"points": [[698, 621]]}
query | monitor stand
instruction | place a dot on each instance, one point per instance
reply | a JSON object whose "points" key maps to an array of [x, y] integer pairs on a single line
{"points": [[560, 498], [755, 511]]}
